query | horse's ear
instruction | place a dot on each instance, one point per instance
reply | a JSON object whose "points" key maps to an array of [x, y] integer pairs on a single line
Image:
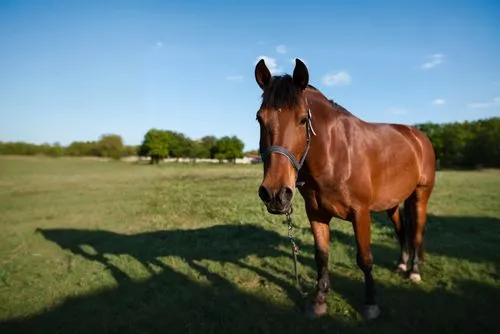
{"points": [[300, 74], [262, 74]]}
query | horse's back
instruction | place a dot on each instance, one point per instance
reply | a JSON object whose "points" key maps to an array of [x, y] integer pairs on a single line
{"points": [[402, 159]]}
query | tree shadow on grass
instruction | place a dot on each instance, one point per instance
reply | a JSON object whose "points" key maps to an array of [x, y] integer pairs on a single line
{"points": [[172, 302]]}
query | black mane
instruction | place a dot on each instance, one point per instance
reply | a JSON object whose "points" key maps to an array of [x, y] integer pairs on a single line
{"points": [[283, 93]]}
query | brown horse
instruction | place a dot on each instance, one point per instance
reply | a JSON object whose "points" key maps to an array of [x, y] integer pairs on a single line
{"points": [[348, 167]]}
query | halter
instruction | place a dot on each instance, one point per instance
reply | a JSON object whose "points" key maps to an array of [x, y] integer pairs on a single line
{"points": [[297, 165], [281, 150]]}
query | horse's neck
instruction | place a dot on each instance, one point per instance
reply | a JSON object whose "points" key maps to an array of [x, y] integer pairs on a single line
{"points": [[326, 109], [334, 121]]}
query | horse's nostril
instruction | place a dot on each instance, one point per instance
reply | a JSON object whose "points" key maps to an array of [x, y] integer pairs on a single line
{"points": [[264, 194], [286, 194]]}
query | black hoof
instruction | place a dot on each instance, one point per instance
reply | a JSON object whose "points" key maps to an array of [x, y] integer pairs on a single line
{"points": [[371, 312]]}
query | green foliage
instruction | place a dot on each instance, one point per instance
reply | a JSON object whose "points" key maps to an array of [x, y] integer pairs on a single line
{"points": [[229, 148], [55, 150], [155, 145], [80, 149], [210, 144], [466, 144], [180, 145], [459, 144], [159, 144], [130, 150], [197, 150], [22, 148], [110, 146]]}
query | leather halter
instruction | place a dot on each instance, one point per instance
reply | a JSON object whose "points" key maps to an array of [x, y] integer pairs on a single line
{"points": [[281, 150]]}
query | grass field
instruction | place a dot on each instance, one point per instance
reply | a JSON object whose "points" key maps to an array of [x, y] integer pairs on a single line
{"points": [[114, 247]]}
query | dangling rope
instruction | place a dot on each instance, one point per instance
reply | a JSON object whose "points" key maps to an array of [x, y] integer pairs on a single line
{"points": [[295, 251]]}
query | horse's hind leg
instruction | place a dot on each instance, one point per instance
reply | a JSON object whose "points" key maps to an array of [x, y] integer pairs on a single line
{"points": [[416, 206], [400, 228]]}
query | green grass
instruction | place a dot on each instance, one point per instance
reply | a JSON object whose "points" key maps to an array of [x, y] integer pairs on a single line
{"points": [[112, 247]]}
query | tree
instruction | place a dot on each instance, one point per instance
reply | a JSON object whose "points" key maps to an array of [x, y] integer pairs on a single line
{"points": [[197, 150], [55, 150], [155, 145], [229, 148], [484, 148], [180, 145], [434, 132], [210, 143], [130, 150], [110, 146], [466, 144], [80, 149]]}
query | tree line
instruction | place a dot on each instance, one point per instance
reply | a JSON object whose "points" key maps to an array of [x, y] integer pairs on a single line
{"points": [[160, 144], [108, 146], [469, 144], [157, 145]]}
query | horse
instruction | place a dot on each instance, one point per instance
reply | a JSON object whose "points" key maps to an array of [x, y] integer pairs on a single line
{"points": [[343, 167]]}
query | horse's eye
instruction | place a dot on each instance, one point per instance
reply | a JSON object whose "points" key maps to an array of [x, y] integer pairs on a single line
{"points": [[303, 121]]}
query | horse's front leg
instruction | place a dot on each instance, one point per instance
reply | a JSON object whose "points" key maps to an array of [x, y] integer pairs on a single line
{"points": [[362, 230], [321, 232]]}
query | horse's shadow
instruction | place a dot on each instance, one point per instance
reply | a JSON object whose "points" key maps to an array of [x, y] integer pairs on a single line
{"points": [[220, 243], [171, 302], [469, 238], [461, 238]]}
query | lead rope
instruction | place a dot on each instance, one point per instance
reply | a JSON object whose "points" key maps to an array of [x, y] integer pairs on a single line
{"points": [[295, 251], [295, 248]]}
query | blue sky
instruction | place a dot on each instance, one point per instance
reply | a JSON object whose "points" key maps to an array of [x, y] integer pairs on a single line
{"points": [[73, 70]]}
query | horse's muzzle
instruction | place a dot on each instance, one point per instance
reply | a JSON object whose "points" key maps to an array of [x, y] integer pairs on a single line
{"points": [[277, 202]]}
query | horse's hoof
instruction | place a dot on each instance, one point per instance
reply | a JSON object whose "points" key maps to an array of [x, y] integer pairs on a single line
{"points": [[415, 277], [401, 268], [315, 310], [371, 312]]}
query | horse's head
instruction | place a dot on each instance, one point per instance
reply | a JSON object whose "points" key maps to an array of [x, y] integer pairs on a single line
{"points": [[285, 130]]}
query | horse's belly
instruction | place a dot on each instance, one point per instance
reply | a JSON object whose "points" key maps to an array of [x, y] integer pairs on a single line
{"points": [[393, 194], [386, 204]]}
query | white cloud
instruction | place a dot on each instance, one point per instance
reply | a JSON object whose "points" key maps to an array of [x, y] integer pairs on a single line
{"points": [[397, 111], [439, 102], [433, 61], [271, 64], [495, 102], [339, 78], [281, 49], [159, 45], [234, 78]]}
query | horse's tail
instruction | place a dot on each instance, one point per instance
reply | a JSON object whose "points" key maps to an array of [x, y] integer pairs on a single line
{"points": [[436, 158]]}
